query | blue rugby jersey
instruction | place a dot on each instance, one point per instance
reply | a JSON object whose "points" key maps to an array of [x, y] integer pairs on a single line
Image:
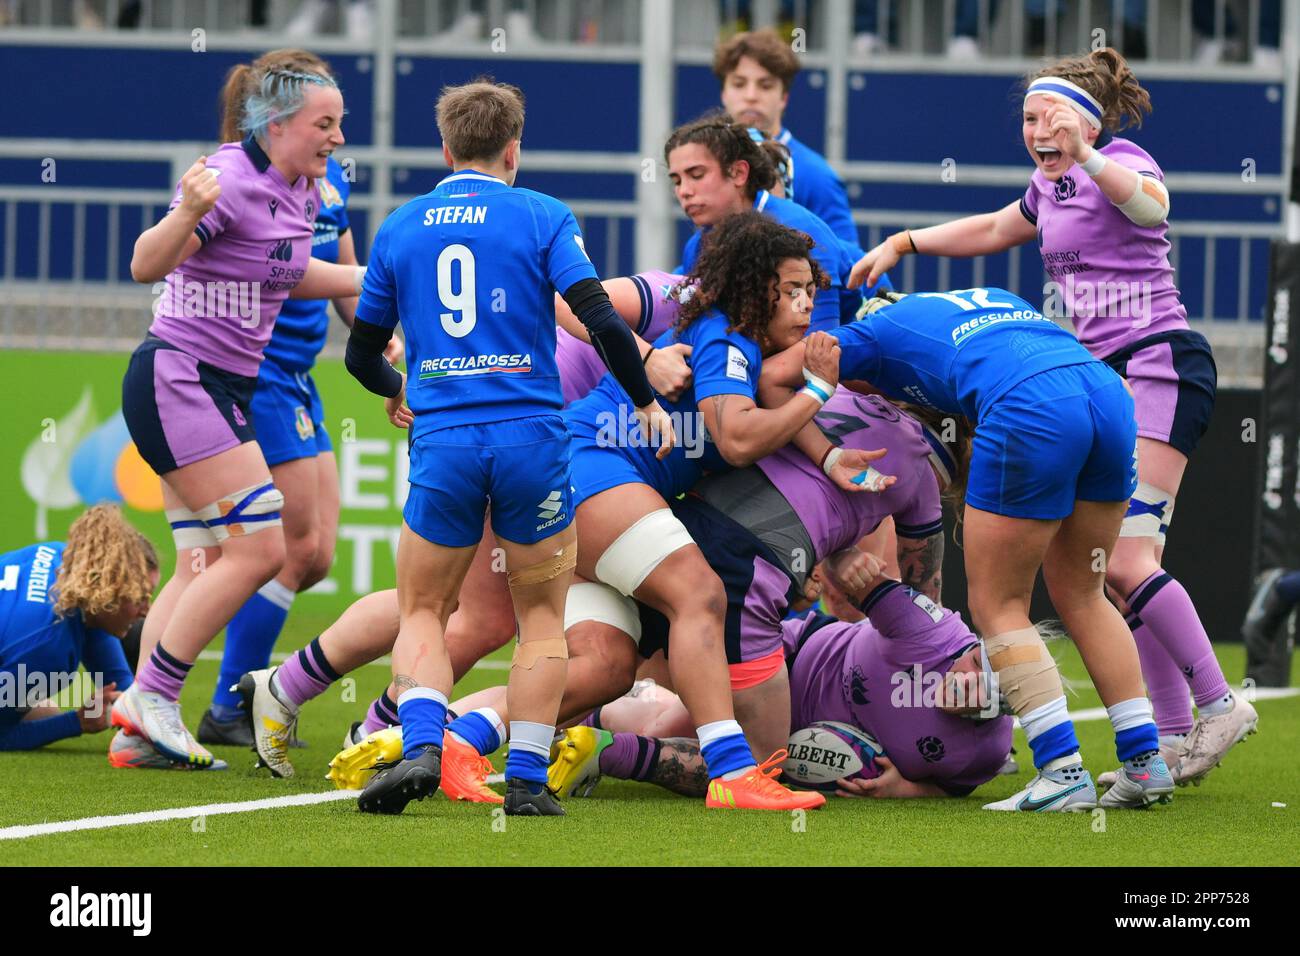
{"points": [[815, 186], [470, 270], [300, 329], [958, 351], [34, 640], [827, 250], [722, 363]]}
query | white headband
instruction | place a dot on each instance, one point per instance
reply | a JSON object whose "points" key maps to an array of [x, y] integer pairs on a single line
{"points": [[1069, 93]]}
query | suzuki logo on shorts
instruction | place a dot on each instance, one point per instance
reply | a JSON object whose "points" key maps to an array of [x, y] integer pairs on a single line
{"points": [[550, 507]]}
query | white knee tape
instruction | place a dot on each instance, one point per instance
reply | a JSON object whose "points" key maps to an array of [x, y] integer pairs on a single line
{"points": [[1149, 512], [589, 601], [640, 549], [189, 531], [247, 511]]}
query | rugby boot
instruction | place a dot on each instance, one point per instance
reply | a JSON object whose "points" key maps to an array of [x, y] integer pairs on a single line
{"points": [[757, 789], [353, 766], [397, 784], [272, 721], [1212, 737], [464, 773], [527, 799], [575, 761], [1068, 789], [158, 720], [127, 751], [233, 733], [1140, 782]]}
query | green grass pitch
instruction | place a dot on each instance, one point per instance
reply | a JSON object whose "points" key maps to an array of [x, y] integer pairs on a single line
{"points": [[1230, 821]]}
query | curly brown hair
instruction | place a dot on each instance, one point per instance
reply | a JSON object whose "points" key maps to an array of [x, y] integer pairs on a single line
{"points": [[729, 142], [736, 273], [244, 79], [1107, 76], [105, 562]]}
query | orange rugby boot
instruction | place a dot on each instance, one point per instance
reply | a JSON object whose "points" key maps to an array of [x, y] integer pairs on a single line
{"points": [[464, 773], [758, 790]]}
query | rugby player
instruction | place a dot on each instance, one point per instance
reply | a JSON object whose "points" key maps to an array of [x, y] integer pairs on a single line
{"points": [[234, 245], [1098, 207], [1052, 468], [469, 270]]}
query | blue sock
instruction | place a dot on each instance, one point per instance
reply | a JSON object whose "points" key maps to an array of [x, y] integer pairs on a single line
{"points": [[526, 765], [422, 711], [250, 636], [530, 751], [724, 748], [477, 731], [1288, 588], [1136, 740], [1050, 745]]}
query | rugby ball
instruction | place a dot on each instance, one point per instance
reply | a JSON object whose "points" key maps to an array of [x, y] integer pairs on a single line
{"points": [[828, 750]]}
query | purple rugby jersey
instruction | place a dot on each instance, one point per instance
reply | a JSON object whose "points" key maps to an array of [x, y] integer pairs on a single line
{"points": [[865, 674], [1112, 278], [581, 368], [220, 305], [836, 519]]}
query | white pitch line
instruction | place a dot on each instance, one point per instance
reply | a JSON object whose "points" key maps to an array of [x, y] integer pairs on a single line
{"points": [[24, 831], [1260, 693]]}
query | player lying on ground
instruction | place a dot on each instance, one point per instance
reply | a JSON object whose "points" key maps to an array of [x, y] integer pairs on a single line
{"points": [[187, 391], [1098, 207], [479, 430], [761, 529], [908, 675], [64, 605], [1051, 472], [289, 420]]}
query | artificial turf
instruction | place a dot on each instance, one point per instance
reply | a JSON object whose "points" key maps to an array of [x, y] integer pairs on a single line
{"points": [[1230, 820]]}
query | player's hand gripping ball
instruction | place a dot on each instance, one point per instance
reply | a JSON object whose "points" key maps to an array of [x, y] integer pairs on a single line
{"points": [[822, 753]]}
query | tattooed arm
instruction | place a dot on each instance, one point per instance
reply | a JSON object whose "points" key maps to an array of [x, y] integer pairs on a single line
{"points": [[744, 433], [681, 768], [920, 561]]}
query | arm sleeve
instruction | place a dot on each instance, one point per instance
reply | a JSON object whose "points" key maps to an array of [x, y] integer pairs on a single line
{"points": [[103, 655], [610, 337], [365, 358], [923, 515], [30, 734]]}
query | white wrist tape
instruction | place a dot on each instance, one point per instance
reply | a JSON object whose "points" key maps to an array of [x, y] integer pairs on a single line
{"points": [[361, 278], [1094, 164], [818, 387], [831, 459]]}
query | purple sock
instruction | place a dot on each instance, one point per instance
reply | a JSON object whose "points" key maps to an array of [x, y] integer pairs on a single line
{"points": [[382, 713], [630, 757], [163, 674], [1170, 702], [592, 719], [305, 675], [1165, 608]]}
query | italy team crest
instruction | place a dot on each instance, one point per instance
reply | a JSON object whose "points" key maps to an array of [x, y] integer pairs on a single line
{"points": [[303, 421]]}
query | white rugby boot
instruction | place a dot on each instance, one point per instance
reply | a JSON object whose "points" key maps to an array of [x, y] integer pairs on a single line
{"points": [[1065, 789]]}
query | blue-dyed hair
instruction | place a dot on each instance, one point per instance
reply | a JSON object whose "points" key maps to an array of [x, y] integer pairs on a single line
{"points": [[280, 94]]}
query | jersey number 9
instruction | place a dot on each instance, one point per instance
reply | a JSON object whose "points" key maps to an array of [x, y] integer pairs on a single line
{"points": [[461, 301]]}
